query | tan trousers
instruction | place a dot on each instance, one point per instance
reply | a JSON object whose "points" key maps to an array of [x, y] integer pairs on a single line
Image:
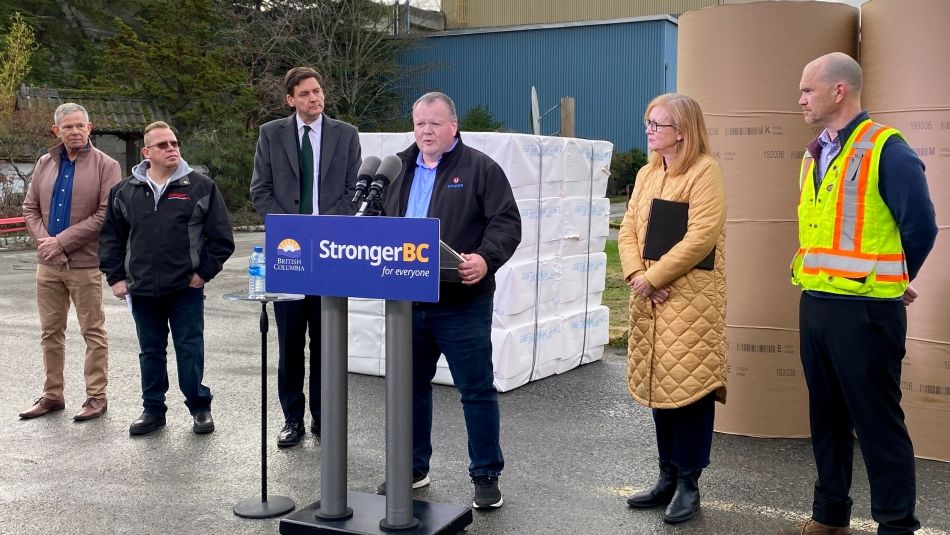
{"points": [[55, 285]]}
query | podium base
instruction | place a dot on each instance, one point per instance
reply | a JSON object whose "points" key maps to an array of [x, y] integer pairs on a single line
{"points": [[255, 508], [369, 510]]}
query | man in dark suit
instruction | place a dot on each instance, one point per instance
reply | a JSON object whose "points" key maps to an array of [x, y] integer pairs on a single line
{"points": [[304, 164]]}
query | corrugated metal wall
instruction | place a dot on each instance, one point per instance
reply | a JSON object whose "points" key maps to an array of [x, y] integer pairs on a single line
{"points": [[490, 13], [612, 70]]}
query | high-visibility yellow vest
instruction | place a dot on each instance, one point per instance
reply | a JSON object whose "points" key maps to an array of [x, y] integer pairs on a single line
{"points": [[849, 241]]}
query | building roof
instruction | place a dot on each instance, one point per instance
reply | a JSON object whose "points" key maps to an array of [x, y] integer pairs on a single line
{"points": [[110, 113]]}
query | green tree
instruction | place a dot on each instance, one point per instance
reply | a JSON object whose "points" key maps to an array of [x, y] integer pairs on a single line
{"points": [[18, 46], [178, 62], [24, 133], [480, 119], [68, 34], [350, 43], [624, 166], [227, 150]]}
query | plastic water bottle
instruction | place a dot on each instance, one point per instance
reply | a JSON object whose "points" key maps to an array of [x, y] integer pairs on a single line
{"points": [[256, 272]]}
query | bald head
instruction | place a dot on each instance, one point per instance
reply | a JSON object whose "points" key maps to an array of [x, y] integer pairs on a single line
{"points": [[838, 67]]}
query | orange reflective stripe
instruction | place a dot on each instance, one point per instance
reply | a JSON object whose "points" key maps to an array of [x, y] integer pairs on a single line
{"points": [[892, 278], [896, 257], [837, 272], [862, 190]]}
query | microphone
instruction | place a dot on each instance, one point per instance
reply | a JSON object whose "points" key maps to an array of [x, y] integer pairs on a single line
{"points": [[388, 170], [365, 176]]}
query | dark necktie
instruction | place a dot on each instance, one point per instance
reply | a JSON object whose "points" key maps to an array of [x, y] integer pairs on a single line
{"points": [[306, 173]]}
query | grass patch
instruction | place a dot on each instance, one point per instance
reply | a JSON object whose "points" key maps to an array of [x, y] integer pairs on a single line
{"points": [[616, 297]]}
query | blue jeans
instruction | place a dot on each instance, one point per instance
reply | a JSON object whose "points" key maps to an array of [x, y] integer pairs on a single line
{"points": [[183, 311], [463, 333]]}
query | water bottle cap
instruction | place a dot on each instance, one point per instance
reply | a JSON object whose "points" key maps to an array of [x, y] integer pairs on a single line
{"points": [[258, 248]]}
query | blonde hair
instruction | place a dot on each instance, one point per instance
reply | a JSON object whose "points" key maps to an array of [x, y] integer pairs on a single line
{"points": [[157, 125], [686, 114]]}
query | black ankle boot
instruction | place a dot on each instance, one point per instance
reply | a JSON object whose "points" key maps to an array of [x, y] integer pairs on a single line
{"points": [[685, 502], [660, 494]]}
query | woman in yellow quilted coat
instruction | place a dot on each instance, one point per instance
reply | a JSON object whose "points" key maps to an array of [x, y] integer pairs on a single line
{"points": [[677, 352]]}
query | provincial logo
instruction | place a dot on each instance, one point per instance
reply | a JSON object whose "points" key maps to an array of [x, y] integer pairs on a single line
{"points": [[288, 248]]}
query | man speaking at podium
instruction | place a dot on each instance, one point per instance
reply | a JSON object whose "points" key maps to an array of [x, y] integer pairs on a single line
{"points": [[304, 164], [470, 195]]}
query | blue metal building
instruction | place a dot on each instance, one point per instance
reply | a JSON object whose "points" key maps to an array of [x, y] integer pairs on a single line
{"points": [[611, 68]]}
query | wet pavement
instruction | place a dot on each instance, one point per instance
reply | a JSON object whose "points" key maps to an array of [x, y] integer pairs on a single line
{"points": [[575, 444]]}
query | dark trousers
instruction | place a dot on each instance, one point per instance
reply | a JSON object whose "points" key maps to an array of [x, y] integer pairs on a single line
{"points": [[294, 320], [851, 351], [183, 312], [463, 333], [684, 435]]}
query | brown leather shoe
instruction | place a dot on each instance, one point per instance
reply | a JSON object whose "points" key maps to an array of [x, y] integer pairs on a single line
{"points": [[92, 408], [813, 527], [43, 406]]}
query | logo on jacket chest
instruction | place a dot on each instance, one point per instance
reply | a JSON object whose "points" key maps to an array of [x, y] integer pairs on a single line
{"points": [[179, 196], [455, 183]]}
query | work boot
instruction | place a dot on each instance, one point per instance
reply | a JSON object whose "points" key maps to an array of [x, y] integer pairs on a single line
{"points": [[813, 527], [662, 491], [685, 502]]}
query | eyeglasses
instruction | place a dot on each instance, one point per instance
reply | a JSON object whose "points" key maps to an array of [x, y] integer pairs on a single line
{"points": [[163, 145], [655, 127]]}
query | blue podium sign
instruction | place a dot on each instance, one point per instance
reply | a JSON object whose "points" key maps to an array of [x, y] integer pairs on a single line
{"points": [[344, 256]]}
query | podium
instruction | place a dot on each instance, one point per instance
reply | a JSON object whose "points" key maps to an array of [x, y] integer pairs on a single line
{"points": [[337, 257]]}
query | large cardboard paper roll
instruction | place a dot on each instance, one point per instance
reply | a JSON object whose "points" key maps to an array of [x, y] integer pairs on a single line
{"points": [[902, 54], [743, 64], [749, 57], [905, 86]]}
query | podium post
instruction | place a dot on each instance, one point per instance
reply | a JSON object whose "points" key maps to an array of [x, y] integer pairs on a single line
{"points": [[333, 409], [398, 417]]}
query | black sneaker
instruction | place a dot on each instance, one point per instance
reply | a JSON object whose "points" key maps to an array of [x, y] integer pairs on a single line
{"points": [[487, 494], [419, 480]]}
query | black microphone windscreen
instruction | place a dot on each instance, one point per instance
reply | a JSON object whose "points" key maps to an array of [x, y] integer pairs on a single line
{"points": [[369, 167], [389, 169]]}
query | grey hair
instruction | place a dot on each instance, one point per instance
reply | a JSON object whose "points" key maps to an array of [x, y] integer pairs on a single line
{"points": [[840, 67], [70, 107], [432, 96]]}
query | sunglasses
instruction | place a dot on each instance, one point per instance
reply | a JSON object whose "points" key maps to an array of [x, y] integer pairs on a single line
{"points": [[163, 145]]}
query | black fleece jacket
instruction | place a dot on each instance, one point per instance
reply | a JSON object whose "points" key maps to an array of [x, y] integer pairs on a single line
{"points": [[157, 248], [473, 202]]}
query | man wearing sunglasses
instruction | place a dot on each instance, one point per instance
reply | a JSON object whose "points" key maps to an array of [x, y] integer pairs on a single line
{"points": [[64, 208], [167, 233]]}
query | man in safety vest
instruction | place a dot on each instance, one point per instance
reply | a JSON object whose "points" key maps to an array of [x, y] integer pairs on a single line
{"points": [[866, 224]]}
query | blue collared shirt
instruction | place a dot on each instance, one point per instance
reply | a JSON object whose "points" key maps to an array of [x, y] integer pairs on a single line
{"points": [[423, 180], [61, 203]]}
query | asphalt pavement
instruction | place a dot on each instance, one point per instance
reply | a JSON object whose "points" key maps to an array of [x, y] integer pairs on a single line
{"points": [[575, 444]]}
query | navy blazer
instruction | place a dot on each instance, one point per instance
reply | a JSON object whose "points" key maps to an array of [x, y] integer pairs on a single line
{"points": [[275, 184]]}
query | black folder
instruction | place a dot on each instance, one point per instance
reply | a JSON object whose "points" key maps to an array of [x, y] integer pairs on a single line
{"points": [[667, 227]]}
